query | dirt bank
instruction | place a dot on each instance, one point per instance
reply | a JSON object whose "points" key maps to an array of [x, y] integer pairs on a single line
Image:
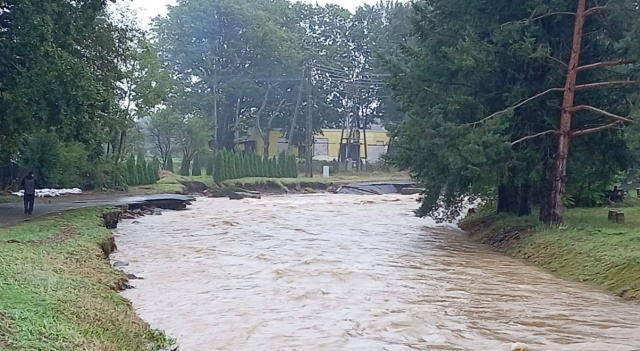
{"points": [[586, 248]]}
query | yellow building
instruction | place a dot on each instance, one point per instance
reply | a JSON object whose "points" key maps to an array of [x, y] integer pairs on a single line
{"points": [[327, 145]]}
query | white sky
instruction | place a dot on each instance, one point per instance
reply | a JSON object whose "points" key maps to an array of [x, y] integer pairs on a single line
{"points": [[148, 9]]}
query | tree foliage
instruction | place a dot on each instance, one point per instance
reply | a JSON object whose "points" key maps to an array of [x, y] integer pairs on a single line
{"points": [[466, 119]]}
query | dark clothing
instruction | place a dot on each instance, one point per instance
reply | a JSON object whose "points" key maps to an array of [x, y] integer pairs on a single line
{"points": [[29, 199], [29, 185]]}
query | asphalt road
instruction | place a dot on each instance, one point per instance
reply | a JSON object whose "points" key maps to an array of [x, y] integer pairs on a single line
{"points": [[13, 213]]}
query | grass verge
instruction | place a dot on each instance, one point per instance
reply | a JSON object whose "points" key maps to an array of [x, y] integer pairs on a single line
{"points": [[6, 198], [59, 292], [586, 248], [338, 179]]}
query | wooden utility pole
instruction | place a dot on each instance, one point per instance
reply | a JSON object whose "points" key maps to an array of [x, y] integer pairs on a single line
{"points": [[292, 130], [309, 171]]}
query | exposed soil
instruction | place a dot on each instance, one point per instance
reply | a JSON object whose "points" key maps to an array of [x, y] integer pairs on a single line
{"points": [[482, 231]]}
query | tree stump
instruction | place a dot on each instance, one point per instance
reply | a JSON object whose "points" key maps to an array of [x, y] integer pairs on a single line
{"points": [[111, 219], [619, 217], [612, 215]]}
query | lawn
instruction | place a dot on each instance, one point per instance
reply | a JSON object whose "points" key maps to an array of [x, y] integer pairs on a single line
{"points": [[59, 291]]}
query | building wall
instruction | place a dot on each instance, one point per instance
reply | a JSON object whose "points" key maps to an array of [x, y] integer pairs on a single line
{"points": [[376, 141]]}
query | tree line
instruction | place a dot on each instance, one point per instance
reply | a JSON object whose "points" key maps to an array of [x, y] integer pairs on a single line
{"points": [[84, 88]]}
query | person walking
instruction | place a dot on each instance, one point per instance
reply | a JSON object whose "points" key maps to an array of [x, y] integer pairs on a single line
{"points": [[29, 185]]}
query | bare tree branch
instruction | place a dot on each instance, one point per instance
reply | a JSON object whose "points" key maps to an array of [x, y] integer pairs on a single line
{"points": [[274, 114], [607, 64], [551, 131], [595, 9], [606, 84], [261, 110], [553, 14], [597, 129], [602, 112], [558, 61], [523, 102]]}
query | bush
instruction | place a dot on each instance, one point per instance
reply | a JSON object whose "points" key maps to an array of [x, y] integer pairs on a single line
{"points": [[41, 153], [74, 167]]}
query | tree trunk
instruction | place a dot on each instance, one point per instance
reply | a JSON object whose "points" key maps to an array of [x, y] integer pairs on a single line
{"points": [[503, 195], [560, 167], [546, 185], [524, 206]]}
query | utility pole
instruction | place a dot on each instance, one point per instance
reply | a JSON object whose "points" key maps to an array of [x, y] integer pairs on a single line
{"points": [[309, 172], [292, 130]]}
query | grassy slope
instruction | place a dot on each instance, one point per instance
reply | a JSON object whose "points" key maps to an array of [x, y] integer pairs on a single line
{"points": [[170, 183], [340, 178], [585, 248], [8, 198], [58, 292]]}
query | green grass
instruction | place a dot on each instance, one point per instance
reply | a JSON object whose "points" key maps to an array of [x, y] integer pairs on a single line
{"points": [[59, 292], [6, 198], [171, 183], [340, 178], [586, 248]]}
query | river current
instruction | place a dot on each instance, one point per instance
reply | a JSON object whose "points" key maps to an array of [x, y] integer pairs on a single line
{"points": [[343, 272]]}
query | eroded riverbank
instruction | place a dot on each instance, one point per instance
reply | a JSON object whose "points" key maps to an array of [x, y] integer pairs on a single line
{"points": [[339, 272]]}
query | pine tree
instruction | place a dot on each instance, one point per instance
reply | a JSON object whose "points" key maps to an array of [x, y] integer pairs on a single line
{"points": [[169, 166], [282, 165], [184, 167], [293, 167], [156, 169], [224, 165], [132, 178], [141, 171], [150, 173], [197, 168], [218, 167], [209, 165]]}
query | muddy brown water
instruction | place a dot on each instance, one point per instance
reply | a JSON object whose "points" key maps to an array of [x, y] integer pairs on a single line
{"points": [[342, 272]]}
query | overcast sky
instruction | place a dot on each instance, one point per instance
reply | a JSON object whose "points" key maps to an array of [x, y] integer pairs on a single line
{"points": [[148, 9]]}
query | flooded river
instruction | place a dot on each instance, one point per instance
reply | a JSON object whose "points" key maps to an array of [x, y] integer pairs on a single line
{"points": [[340, 272]]}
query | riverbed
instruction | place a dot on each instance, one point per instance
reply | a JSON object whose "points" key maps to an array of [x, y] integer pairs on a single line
{"points": [[344, 272]]}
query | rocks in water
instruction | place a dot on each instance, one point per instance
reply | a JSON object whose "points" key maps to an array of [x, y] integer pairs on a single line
{"points": [[236, 196], [194, 187], [111, 219], [157, 212], [120, 264], [171, 348], [520, 347], [133, 277], [239, 195], [127, 286], [411, 191]]}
